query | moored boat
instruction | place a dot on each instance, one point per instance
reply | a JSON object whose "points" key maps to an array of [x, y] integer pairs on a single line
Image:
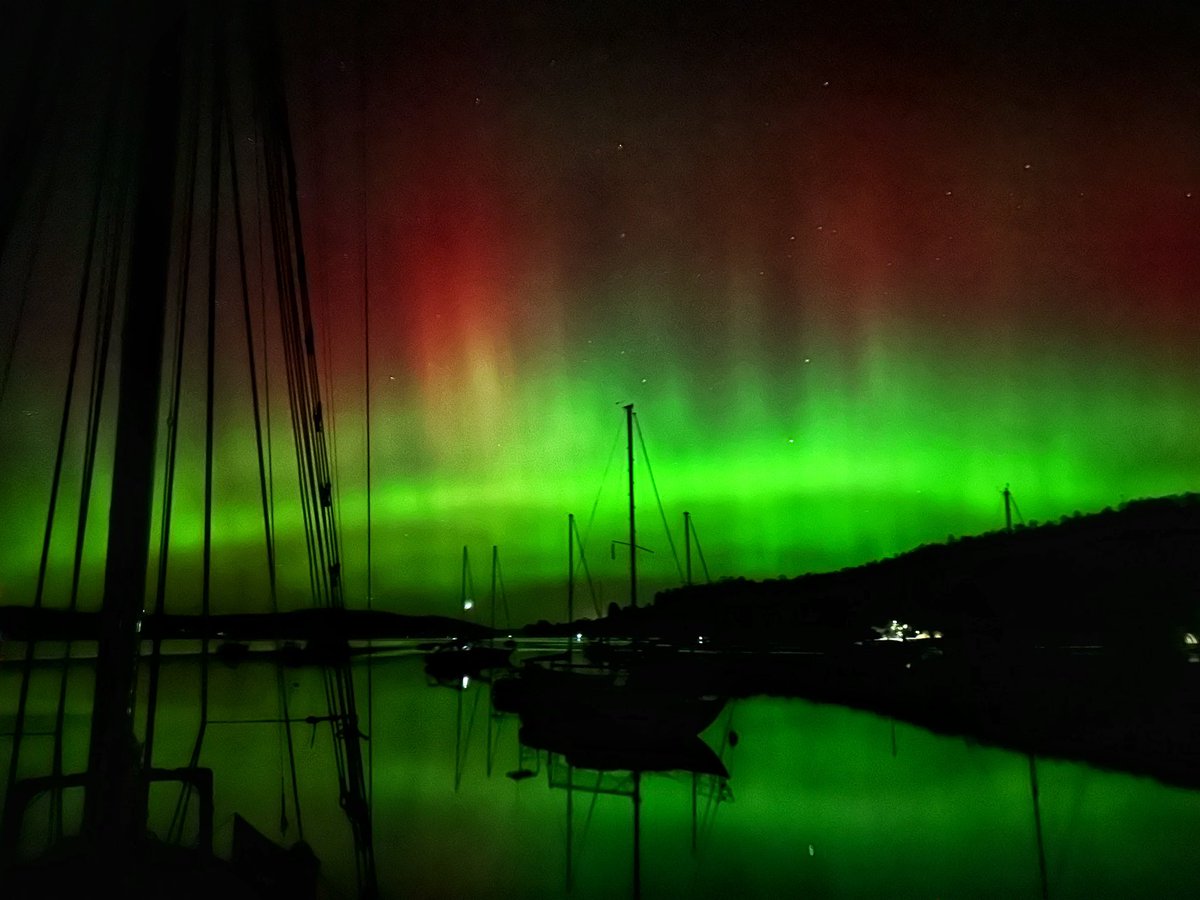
{"points": [[584, 699]]}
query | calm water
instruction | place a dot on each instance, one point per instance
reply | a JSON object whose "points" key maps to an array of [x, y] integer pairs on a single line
{"points": [[821, 801]]}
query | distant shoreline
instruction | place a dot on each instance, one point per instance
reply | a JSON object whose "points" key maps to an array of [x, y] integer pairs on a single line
{"points": [[1016, 610]]}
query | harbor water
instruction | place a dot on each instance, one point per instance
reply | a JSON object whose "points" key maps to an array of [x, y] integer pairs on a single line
{"points": [[821, 800]]}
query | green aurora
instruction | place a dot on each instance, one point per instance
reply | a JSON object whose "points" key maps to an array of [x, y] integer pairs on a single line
{"points": [[855, 281], [828, 464], [819, 802]]}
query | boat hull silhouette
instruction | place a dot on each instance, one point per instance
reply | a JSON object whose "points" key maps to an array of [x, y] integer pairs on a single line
{"points": [[583, 706]]}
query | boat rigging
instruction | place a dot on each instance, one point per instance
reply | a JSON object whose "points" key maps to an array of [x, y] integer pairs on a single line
{"points": [[189, 55]]}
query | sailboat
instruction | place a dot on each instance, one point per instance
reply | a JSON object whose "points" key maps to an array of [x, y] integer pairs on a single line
{"points": [[605, 708], [456, 663], [115, 852]]}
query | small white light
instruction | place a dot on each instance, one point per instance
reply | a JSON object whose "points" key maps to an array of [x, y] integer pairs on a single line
{"points": [[468, 604], [466, 682]]}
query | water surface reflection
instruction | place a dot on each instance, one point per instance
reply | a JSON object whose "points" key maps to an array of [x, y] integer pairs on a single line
{"points": [[819, 800]]}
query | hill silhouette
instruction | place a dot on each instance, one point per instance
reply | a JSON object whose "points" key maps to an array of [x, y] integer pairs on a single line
{"points": [[1070, 639], [1122, 578]]}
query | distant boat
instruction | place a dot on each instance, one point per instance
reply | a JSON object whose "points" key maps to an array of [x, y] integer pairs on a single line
{"points": [[453, 663]]}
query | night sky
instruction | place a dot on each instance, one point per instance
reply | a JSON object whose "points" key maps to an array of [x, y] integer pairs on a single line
{"points": [[857, 265]]}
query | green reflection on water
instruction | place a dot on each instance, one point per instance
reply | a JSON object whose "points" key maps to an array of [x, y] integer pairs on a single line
{"points": [[825, 801]]}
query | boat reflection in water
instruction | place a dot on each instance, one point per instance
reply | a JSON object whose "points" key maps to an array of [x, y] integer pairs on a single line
{"points": [[600, 730], [888, 809], [453, 664]]}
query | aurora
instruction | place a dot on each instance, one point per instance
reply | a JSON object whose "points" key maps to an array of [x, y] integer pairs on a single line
{"points": [[856, 273]]}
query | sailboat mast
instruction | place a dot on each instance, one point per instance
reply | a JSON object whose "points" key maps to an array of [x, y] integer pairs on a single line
{"points": [[465, 601], [570, 567], [495, 567], [687, 543], [632, 517], [113, 774], [637, 834]]}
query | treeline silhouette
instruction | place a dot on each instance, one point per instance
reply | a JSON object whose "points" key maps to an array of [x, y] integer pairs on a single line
{"points": [[1123, 578], [1065, 639]]}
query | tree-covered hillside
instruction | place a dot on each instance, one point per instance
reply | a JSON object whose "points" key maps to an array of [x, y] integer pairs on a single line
{"points": [[1129, 576]]}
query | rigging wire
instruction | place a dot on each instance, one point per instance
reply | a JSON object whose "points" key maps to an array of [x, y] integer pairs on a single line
{"points": [[102, 342], [699, 550], [110, 817], [582, 536], [294, 345], [259, 163], [248, 324], [503, 596], [216, 131], [261, 453], [285, 738], [42, 205], [719, 791], [286, 742], [312, 447], [59, 457], [658, 498], [366, 308], [467, 592], [603, 481], [586, 571], [462, 741], [331, 417], [171, 451]]}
